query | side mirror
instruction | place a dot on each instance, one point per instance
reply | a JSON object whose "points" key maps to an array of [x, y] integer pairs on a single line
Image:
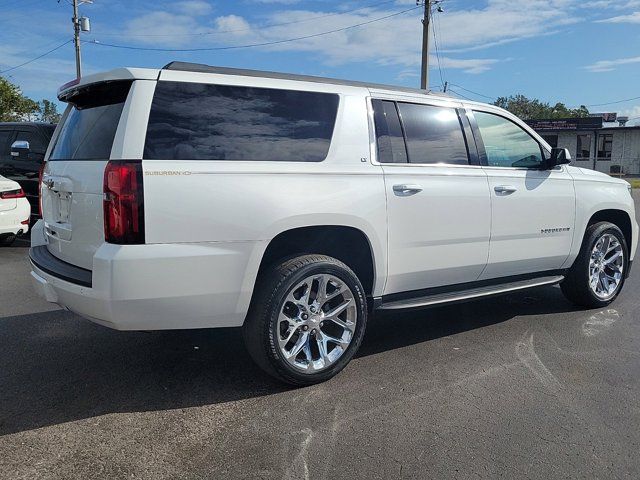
{"points": [[20, 148], [559, 156]]}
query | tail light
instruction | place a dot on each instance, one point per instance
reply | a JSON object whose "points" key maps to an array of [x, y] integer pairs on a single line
{"points": [[12, 194], [40, 173], [123, 203]]}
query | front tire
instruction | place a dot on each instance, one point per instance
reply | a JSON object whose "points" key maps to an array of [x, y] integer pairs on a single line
{"points": [[598, 273], [306, 320]]}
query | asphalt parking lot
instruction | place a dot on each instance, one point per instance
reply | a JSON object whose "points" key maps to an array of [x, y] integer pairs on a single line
{"points": [[521, 386]]}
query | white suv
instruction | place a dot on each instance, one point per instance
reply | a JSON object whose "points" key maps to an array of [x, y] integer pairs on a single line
{"points": [[291, 206]]}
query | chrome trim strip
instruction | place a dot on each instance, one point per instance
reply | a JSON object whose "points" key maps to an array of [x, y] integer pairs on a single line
{"points": [[470, 294]]}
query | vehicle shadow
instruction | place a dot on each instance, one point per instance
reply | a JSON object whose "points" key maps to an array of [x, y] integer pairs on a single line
{"points": [[56, 367]]}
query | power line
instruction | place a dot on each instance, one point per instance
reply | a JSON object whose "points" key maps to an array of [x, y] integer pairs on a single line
{"points": [[612, 103], [471, 91], [262, 44], [461, 95], [38, 57], [21, 3], [268, 25], [435, 42]]}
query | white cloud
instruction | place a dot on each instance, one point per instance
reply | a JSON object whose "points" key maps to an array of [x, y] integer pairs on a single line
{"points": [[194, 7], [177, 29], [610, 4], [502, 21], [609, 65], [282, 2], [41, 79], [630, 18], [232, 24], [633, 113], [393, 41]]}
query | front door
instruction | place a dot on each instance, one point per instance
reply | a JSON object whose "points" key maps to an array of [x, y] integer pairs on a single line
{"points": [[438, 204], [533, 209]]}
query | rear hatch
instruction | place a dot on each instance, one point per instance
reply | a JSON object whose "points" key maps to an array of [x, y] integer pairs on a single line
{"points": [[72, 181], [6, 185]]}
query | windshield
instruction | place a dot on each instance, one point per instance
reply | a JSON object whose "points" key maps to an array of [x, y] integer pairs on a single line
{"points": [[90, 124]]}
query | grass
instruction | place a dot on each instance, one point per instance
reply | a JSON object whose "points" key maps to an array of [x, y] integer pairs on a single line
{"points": [[635, 182]]}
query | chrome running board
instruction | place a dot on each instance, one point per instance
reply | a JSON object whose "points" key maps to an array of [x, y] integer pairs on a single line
{"points": [[470, 294]]}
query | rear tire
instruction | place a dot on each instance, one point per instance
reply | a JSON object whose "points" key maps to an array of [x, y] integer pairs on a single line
{"points": [[596, 278], [7, 240], [291, 331]]}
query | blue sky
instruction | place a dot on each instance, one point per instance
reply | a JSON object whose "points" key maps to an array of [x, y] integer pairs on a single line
{"points": [[577, 52]]}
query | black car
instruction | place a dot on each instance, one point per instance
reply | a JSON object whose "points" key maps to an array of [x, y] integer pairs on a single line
{"points": [[22, 149]]}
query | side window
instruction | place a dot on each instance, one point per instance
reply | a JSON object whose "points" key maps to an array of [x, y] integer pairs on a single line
{"points": [[389, 138], [583, 147], [5, 148], [192, 121], [506, 144], [604, 146], [36, 143], [434, 134]]}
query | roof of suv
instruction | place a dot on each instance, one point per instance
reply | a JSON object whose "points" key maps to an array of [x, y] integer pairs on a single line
{"points": [[202, 68], [153, 74]]}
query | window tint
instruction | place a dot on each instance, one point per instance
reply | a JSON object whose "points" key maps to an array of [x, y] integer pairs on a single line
{"points": [[583, 148], [552, 140], [390, 141], [5, 148], [36, 143], [434, 134], [605, 143], [506, 144], [90, 125], [191, 121]]}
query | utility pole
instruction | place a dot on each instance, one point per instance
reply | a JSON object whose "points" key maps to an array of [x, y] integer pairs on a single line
{"points": [[80, 24], [76, 38], [424, 80]]}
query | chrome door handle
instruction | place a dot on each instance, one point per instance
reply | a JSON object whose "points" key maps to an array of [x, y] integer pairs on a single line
{"points": [[504, 189], [405, 190]]}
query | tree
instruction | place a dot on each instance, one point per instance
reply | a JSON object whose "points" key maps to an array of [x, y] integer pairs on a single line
{"points": [[48, 111], [14, 106], [529, 109]]}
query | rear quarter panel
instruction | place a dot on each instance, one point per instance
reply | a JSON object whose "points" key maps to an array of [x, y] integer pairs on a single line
{"points": [[241, 201]]}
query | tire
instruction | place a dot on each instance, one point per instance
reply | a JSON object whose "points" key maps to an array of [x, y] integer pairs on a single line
{"points": [[7, 240], [276, 292], [576, 285]]}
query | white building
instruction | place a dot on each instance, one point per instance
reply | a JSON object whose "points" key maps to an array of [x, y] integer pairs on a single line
{"points": [[606, 149]]}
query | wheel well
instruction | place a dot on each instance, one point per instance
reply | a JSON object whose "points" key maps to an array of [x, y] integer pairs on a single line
{"points": [[619, 218], [347, 244]]}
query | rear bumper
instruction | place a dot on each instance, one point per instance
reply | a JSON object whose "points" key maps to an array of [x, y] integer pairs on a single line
{"points": [[11, 220], [156, 287]]}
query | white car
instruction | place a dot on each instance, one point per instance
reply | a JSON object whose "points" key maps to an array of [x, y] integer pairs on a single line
{"points": [[14, 211], [293, 207]]}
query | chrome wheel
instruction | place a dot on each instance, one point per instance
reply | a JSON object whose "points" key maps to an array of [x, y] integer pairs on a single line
{"points": [[606, 266], [316, 323]]}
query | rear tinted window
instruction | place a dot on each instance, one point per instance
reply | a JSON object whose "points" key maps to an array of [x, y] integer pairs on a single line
{"points": [[90, 126], [5, 136], [434, 134], [191, 121], [391, 146]]}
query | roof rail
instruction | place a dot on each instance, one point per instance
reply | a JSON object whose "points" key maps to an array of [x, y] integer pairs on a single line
{"points": [[202, 68]]}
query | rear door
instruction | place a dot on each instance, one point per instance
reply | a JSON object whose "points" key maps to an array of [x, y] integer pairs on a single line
{"points": [[533, 209], [73, 176], [6, 136], [26, 169], [438, 202]]}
